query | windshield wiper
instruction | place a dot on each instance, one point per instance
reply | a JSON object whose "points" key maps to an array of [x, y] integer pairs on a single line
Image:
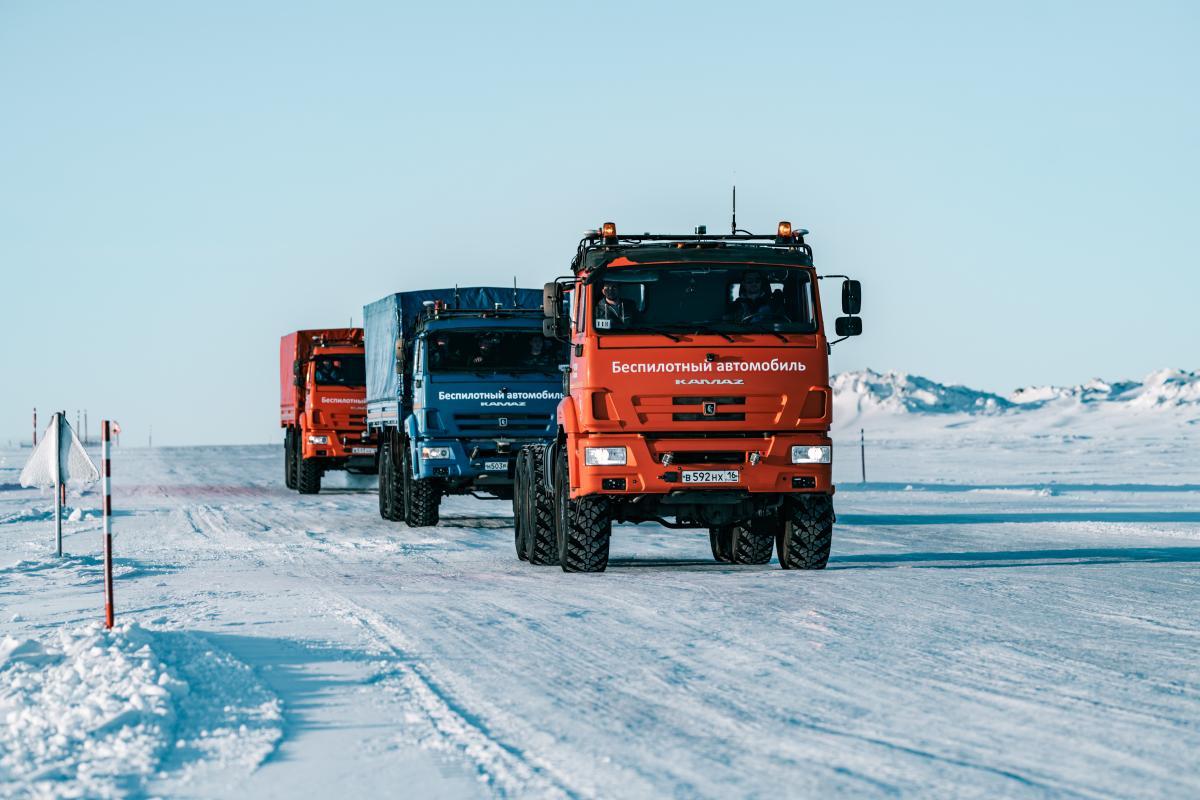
{"points": [[666, 333], [711, 330], [750, 328]]}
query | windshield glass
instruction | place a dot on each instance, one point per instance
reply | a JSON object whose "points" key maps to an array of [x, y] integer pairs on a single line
{"points": [[340, 370], [493, 351], [699, 298]]}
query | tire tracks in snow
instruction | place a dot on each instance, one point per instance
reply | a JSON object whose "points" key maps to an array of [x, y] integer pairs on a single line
{"points": [[507, 770], [503, 767]]}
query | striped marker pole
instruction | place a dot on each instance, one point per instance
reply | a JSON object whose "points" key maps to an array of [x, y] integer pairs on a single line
{"points": [[107, 486]]}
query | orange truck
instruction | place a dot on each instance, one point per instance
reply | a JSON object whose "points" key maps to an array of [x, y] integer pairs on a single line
{"points": [[697, 396], [323, 406]]}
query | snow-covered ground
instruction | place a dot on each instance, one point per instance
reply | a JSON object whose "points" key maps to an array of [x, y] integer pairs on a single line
{"points": [[1012, 609]]}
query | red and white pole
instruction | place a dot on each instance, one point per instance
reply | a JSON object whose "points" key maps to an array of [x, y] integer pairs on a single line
{"points": [[107, 486]]}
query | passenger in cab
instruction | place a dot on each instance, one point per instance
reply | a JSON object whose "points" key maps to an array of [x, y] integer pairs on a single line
{"points": [[756, 302], [329, 370]]}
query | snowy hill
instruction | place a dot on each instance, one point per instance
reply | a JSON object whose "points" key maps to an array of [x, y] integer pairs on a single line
{"points": [[1165, 398], [900, 392], [1166, 388]]}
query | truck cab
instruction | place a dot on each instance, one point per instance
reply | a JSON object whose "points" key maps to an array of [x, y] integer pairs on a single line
{"points": [[697, 396], [475, 379], [323, 406]]}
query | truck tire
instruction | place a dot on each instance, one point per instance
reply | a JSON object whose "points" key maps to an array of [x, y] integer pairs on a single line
{"points": [[422, 496], [389, 505], [751, 543], [541, 541], [308, 475], [584, 527], [804, 539], [289, 458], [519, 503], [381, 454], [720, 539]]}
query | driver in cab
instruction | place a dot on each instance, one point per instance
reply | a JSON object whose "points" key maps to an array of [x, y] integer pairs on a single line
{"points": [[611, 311], [486, 348]]}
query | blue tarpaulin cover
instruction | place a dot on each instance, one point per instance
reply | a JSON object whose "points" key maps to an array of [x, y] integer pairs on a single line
{"points": [[388, 318]]}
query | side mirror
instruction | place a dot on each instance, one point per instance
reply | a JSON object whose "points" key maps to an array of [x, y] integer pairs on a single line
{"points": [[551, 300], [848, 326], [399, 356], [851, 298], [550, 328]]}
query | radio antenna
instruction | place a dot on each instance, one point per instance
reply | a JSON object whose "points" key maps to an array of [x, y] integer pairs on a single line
{"points": [[733, 222]]}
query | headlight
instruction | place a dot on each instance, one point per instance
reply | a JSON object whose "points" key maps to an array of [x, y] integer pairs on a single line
{"points": [[804, 454], [435, 452], [318, 440], [604, 456]]}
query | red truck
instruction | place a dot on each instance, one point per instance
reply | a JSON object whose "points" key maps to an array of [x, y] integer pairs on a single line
{"points": [[323, 406], [697, 396]]}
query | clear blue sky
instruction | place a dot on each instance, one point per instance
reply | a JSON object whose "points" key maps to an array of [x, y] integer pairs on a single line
{"points": [[180, 184]]}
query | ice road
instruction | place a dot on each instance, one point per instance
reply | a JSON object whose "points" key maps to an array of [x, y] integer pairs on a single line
{"points": [[976, 634]]}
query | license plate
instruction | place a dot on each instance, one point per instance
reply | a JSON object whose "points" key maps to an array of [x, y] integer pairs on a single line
{"points": [[710, 476], [364, 451], [495, 466]]}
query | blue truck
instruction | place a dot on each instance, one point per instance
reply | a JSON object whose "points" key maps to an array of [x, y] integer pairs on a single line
{"points": [[458, 380]]}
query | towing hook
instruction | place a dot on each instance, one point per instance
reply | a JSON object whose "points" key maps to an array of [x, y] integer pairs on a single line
{"points": [[755, 457]]}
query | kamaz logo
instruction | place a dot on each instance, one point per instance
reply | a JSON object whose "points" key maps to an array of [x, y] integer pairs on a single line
{"points": [[710, 409], [503, 422], [709, 381]]}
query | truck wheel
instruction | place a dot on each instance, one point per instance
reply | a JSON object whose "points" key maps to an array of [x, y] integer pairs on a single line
{"points": [[519, 504], [422, 496], [750, 543], [289, 459], [381, 454], [389, 506], [720, 538], [805, 537], [308, 476], [584, 527], [541, 542]]}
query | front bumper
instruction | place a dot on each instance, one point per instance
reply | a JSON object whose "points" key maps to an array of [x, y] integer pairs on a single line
{"points": [[645, 473], [338, 445], [472, 462]]}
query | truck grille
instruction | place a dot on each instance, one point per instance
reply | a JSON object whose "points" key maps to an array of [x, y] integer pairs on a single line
{"points": [[698, 401], [708, 409], [503, 423], [682, 457]]}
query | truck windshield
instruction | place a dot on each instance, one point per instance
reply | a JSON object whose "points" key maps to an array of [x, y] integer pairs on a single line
{"points": [[493, 351], [704, 298], [340, 370]]}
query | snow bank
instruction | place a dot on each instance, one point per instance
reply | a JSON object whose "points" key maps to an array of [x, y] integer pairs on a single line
{"points": [[95, 713]]}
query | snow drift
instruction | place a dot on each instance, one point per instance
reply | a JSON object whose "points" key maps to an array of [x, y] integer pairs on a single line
{"points": [[94, 713]]}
